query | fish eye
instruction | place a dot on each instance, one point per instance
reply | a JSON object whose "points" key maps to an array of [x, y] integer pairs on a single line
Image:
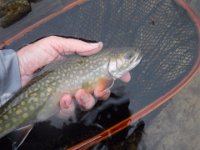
{"points": [[128, 56]]}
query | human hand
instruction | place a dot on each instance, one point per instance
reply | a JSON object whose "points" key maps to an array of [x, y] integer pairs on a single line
{"points": [[38, 54]]}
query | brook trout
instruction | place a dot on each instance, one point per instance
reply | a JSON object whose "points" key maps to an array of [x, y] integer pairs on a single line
{"points": [[39, 100]]}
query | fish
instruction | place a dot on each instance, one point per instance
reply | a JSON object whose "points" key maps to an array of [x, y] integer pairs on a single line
{"points": [[39, 99]]}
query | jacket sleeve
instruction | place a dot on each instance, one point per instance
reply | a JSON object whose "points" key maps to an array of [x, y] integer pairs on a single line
{"points": [[10, 80]]}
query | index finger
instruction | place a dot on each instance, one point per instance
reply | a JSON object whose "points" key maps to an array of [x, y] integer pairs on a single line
{"points": [[126, 77]]}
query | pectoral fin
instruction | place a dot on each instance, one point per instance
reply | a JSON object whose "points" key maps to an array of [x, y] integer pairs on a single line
{"points": [[18, 136], [103, 86]]}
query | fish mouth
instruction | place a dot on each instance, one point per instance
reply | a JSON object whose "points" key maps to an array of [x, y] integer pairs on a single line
{"points": [[136, 60], [139, 57], [118, 71]]}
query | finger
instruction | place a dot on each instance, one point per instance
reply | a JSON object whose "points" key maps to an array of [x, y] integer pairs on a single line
{"points": [[48, 49], [67, 113], [126, 77], [69, 46], [102, 95], [25, 79], [67, 107], [66, 101], [101, 90], [85, 99]]}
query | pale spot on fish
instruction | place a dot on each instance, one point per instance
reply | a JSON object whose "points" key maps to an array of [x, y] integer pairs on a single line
{"points": [[25, 115], [25, 108], [32, 108], [29, 102], [33, 94], [10, 112], [54, 84], [60, 81], [47, 81], [7, 125], [49, 89], [19, 111], [35, 89], [42, 94], [5, 117], [23, 103], [35, 100], [14, 120]]}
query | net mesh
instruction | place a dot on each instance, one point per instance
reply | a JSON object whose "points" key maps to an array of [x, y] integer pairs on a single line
{"points": [[166, 35], [163, 31]]}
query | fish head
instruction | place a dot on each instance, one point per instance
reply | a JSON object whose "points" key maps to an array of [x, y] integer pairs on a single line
{"points": [[123, 60]]}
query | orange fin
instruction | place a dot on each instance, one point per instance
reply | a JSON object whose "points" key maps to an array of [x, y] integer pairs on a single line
{"points": [[103, 85]]}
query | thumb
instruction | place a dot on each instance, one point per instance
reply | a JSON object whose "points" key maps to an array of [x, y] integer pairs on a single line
{"points": [[70, 46]]}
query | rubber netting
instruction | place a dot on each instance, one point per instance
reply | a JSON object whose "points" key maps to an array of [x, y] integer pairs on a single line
{"points": [[166, 35], [163, 31]]}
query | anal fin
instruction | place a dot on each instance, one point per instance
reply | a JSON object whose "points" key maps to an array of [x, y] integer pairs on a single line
{"points": [[18, 136]]}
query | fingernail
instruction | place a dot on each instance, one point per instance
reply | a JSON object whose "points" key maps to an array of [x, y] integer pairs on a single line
{"points": [[67, 103], [106, 94], [97, 45], [84, 99], [106, 91]]}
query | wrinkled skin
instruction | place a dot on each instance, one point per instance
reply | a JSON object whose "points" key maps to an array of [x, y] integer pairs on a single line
{"points": [[13, 10]]}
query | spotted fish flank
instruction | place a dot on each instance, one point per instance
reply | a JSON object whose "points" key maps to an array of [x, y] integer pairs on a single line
{"points": [[39, 100]]}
